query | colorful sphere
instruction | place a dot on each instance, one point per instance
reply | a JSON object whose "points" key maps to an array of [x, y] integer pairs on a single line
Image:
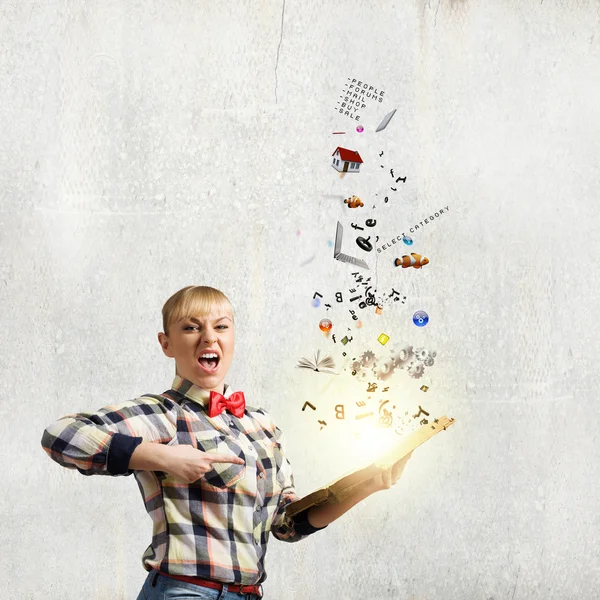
{"points": [[408, 241], [325, 325], [360, 129], [420, 318]]}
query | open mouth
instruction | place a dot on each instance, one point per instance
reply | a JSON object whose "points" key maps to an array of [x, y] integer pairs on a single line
{"points": [[209, 361]]}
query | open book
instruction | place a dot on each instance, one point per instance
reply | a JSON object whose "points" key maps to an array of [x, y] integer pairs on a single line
{"points": [[342, 488], [322, 365]]}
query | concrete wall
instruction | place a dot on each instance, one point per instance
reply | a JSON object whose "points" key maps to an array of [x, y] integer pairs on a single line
{"points": [[145, 146]]}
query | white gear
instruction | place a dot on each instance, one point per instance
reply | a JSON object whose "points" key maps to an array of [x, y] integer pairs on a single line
{"points": [[367, 359], [415, 369], [363, 375], [421, 354], [429, 361], [385, 370], [402, 357]]}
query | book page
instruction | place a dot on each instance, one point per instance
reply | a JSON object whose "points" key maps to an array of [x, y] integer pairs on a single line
{"points": [[344, 486]]}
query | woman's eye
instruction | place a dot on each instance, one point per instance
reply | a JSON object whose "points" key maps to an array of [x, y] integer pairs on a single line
{"points": [[190, 327], [222, 327]]}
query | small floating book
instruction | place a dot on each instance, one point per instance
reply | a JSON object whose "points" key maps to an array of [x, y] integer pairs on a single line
{"points": [[321, 365]]}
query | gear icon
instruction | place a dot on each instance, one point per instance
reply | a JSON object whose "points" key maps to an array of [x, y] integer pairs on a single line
{"points": [[402, 357], [415, 369], [421, 354], [385, 370], [367, 359], [362, 375], [429, 361]]}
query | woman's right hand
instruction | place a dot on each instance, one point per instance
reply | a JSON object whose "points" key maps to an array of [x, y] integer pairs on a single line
{"points": [[183, 462], [189, 464]]}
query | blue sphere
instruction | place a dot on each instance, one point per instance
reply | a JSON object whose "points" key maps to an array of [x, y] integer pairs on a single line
{"points": [[420, 318], [408, 241], [316, 302]]}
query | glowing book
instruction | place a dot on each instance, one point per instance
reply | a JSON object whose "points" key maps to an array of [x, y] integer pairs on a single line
{"points": [[342, 488]]}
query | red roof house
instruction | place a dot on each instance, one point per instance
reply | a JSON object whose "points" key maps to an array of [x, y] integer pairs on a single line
{"points": [[346, 161]]}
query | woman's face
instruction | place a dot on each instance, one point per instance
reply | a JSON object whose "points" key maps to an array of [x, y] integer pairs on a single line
{"points": [[202, 347]]}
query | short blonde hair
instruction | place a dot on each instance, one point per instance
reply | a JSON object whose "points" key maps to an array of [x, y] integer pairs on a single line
{"points": [[191, 301]]}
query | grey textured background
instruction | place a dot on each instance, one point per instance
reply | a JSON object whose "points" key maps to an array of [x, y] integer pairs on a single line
{"points": [[145, 146]]}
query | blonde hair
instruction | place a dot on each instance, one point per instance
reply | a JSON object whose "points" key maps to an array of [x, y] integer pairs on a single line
{"points": [[191, 301]]}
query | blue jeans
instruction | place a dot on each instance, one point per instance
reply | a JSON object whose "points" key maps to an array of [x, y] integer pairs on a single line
{"points": [[159, 587]]}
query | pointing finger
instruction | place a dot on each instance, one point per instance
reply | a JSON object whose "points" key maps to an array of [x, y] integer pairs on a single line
{"points": [[224, 458]]}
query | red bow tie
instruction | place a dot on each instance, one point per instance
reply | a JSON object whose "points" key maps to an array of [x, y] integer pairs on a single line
{"points": [[236, 404]]}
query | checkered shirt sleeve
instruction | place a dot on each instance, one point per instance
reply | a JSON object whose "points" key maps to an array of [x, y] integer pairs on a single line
{"points": [[101, 443], [284, 528]]}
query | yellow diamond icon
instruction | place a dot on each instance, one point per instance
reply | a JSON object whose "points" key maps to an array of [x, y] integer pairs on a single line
{"points": [[383, 339]]}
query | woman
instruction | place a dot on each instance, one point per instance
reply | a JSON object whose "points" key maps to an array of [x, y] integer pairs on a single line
{"points": [[211, 469]]}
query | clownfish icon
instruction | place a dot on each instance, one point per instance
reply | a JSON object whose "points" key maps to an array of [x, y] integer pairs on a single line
{"points": [[414, 260], [353, 202]]}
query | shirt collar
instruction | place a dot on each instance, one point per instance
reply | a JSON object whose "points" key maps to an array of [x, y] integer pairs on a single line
{"points": [[194, 392]]}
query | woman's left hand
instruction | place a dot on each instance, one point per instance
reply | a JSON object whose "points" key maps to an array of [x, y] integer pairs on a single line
{"points": [[323, 514], [387, 478]]}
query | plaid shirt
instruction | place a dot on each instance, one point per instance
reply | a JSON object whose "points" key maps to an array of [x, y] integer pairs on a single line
{"points": [[217, 527]]}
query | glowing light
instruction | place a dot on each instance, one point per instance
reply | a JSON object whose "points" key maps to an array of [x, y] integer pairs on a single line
{"points": [[371, 444]]}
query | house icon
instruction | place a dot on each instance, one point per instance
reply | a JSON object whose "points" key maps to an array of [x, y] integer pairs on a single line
{"points": [[350, 158]]}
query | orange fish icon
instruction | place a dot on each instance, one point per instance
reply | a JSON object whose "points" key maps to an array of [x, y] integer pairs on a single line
{"points": [[414, 260], [353, 202]]}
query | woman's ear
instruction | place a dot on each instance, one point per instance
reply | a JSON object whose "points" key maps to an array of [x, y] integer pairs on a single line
{"points": [[165, 345]]}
